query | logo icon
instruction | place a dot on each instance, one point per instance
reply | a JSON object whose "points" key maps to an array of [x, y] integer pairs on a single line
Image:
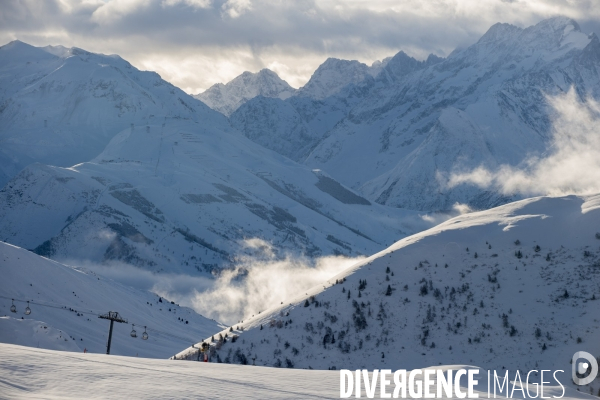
{"points": [[581, 367]]}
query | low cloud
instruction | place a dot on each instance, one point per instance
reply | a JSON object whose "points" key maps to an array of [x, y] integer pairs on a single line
{"points": [[258, 282], [263, 284], [570, 166]]}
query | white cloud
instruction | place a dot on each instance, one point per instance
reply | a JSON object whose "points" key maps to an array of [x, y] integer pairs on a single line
{"points": [[112, 10], [264, 285], [235, 8], [191, 3], [571, 166], [258, 282], [196, 43]]}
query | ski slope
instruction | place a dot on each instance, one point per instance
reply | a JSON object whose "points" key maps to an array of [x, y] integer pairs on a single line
{"points": [[66, 302], [33, 373]]}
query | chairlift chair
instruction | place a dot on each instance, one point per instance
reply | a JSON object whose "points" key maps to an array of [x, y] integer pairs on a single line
{"points": [[27, 309], [133, 332], [144, 335], [13, 308]]}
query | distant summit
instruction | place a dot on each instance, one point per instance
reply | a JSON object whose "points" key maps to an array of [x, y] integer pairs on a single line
{"points": [[226, 98], [333, 75]]}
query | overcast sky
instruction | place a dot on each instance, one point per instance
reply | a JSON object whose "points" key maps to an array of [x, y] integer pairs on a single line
{"points": [[196, 43]]}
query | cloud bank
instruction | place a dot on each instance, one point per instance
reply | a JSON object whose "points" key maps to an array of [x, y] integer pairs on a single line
{"points": [[570, 166], [196, 43], [257, 283]]}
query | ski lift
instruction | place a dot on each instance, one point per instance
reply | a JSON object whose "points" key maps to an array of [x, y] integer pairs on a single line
{"points": [[144, 335], [13, 308], [27, 309], [133, 332]]}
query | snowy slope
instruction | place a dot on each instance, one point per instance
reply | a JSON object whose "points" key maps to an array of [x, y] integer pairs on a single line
{"points": [[65, 304], [261, 117], [226, 98], [62, 106], [186, 197], [455, 293], [94, 376]]}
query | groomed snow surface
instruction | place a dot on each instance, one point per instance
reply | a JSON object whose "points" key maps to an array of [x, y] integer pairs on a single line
{"points": [[27, 372], [35, 373]]}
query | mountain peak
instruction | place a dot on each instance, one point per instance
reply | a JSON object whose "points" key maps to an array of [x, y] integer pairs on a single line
{"points": [[17, 51], [332, 76], [226, 98], [499, 31], [402, 64], [558, 23], [18, 46], [14, 44]]}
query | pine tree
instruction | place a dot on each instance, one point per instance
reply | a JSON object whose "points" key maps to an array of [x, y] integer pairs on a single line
{"points": [[388, 292], [518, 254]]}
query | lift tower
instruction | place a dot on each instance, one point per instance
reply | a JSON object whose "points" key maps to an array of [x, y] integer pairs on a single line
{"points": [[113, 316]]}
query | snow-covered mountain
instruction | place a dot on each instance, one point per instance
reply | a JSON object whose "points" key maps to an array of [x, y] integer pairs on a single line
{"points": [[395, 136], [62, 106], [65, 303], [497, 87], [293, 127], [187, 197], [226, 98], [177, 188], [516, 287]]}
